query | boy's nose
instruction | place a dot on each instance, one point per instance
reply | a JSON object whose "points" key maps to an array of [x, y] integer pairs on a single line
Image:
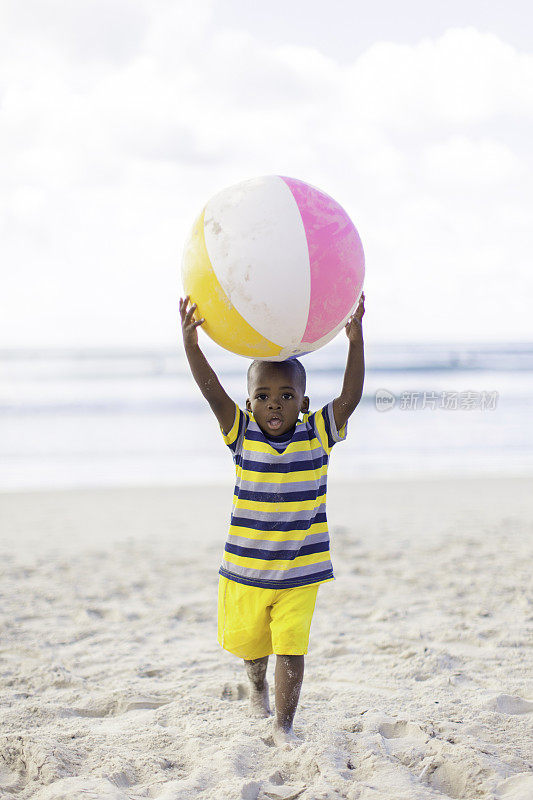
{"points": [[274, 404]]}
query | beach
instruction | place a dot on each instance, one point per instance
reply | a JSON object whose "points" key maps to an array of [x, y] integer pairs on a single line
{"points": [[418, 680]]}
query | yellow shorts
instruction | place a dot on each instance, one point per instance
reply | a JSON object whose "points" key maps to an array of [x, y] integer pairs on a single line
{"points": [[255, 622]]}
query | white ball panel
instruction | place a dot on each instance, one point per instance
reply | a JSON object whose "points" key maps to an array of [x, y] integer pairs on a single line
{"points": [[257, 246]]}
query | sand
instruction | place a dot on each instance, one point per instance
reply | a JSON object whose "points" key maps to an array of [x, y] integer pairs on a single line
{"points": [[418, 681]]}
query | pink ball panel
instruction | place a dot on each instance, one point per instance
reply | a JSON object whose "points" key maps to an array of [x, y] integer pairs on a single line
{"points": [[336, 258]]}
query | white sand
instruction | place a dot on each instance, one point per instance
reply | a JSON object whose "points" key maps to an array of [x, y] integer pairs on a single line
{"points": [[418, 680]]}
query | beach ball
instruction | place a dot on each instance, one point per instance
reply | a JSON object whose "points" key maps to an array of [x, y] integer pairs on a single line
{"points": [[275, 266]]}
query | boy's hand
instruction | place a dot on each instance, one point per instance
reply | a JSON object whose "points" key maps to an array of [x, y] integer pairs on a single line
{"points": [[188, 323], [354, 375], [221, 403], [354, 328]]}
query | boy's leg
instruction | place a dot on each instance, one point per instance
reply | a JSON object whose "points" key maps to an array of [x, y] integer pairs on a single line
{"points": [[259, 700], [289, 676]]}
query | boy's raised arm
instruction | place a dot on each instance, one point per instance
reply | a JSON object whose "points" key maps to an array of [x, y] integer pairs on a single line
{"points": [[354, 375], [221, 403]]}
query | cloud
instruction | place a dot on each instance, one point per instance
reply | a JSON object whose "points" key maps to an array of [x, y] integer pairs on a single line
{"points": [[83, 31], [460, 79], [118, 121], [460, 161]]}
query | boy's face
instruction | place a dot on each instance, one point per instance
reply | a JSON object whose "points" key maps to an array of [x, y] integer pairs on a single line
{"points": [[276, 398]]}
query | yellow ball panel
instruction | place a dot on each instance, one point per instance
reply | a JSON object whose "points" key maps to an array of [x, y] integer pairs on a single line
{"points": [[223, 323]]}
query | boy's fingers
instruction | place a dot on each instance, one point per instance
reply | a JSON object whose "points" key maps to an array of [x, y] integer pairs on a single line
{"points": [[199, 322], [186, 315], [190, 312]]}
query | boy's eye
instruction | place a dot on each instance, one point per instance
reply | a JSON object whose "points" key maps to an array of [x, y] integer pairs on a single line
{"points": [[285, 395]]}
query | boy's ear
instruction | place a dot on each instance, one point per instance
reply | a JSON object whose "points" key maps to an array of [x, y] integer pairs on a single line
{"points": [[248, 404], [305, 405]]}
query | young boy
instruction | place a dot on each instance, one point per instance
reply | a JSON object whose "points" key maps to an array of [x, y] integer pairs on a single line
{"points": [[277, 551]]}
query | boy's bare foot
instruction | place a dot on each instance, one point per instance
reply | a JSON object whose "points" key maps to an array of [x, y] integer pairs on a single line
{"points": [[285, 737], [259, 701], [256, 670]]}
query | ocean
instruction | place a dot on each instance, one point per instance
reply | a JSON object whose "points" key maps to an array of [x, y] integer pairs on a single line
{"points": [[131, 417]]}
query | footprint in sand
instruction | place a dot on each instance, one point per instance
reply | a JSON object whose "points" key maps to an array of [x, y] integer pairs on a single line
{"points": [[353, 726], [250, 790], [517, 787], [274, 788], [396, 730], [122, 779], [509, 704], [24, 761], [448, 779], [113, 706], [234, 691], [272, 792], [148, 671]]}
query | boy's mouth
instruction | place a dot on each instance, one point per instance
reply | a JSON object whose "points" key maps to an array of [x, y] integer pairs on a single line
{"points": [[274, 423]]}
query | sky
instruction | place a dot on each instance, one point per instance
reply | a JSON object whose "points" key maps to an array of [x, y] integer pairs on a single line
{"points": [[119, 119]]}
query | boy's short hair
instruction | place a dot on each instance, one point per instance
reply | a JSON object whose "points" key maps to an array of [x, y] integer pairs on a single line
{"points": [[296, 367]]}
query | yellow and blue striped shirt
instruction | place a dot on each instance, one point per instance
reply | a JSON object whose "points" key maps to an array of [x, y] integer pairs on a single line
{"points": [[278, 536]]}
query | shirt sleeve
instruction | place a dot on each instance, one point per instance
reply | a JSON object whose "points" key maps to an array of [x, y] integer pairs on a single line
{"points": [[325, 429], [235, 437]]}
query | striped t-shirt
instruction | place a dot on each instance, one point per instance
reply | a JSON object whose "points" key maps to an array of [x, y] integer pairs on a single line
{"points": [[278, 536]]}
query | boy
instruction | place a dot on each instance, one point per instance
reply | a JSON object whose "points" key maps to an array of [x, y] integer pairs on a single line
{"points": [[277, 551]]}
